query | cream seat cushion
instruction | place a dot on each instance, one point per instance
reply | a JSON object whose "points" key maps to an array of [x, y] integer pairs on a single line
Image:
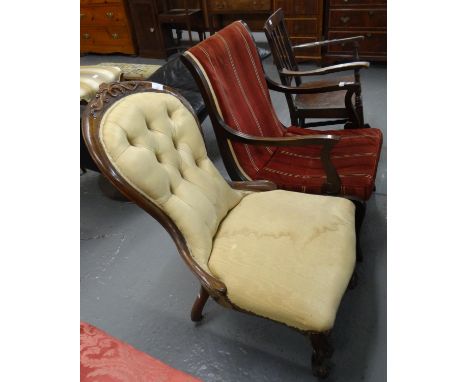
{"points": [[287, 256], [92, 76], [154, 142]]}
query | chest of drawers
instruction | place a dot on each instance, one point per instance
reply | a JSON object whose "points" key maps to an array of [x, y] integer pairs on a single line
{"points": [[346, 18], [105, 27], [303, 20]]}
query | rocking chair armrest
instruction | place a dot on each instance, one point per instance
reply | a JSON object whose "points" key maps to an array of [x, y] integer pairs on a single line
{"points": [[329, 69], [253, 185], [355, 40], [273, 85]]}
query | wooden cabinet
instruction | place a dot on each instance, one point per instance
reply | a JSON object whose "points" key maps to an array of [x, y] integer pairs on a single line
{"points": [[303, 20], [219, 13], [104, 27], [239, 5], [151, 38], [346, 18]]}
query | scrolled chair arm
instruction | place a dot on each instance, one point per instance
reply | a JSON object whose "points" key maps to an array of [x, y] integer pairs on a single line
{"points": [[327, 141]]}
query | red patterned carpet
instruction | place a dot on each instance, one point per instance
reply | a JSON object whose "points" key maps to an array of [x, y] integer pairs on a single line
{"points": [[106, 359]]}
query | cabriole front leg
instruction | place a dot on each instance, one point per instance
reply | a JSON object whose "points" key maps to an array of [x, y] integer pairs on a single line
{"points": [[197, 309]]}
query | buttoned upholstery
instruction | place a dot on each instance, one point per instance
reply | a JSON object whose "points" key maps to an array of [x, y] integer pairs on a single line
{"points": [[154, 141], [230, 64], [283, 255], [287, 256]]}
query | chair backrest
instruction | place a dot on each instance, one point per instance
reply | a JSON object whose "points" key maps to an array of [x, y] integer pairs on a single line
{"points": [[228, 62], [281, 48], [148, 142]]}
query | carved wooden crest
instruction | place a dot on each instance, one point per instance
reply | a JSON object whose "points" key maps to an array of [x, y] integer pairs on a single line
{"points": [[114, 90]]}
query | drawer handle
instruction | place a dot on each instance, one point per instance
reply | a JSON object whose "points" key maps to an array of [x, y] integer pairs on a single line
{"points": [[109, 15], [86, 36], [369, 35], [345, 19], [115, 36], [371, 13], [151, 29]]}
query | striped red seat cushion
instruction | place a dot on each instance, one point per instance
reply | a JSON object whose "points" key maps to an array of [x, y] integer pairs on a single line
{"points": [[355, 156]]}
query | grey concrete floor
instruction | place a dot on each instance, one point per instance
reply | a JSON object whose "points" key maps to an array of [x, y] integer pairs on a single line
{"points": [[135, 286]]}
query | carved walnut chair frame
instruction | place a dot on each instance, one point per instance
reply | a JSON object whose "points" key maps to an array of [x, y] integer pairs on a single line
{"points": [[210, 286], [285, 60]]}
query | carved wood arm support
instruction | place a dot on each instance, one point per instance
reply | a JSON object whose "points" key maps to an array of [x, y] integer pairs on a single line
{"points": [[213, 286], [327, 141], [329, 69], [348, 40], [310, 89], [253, 185]]}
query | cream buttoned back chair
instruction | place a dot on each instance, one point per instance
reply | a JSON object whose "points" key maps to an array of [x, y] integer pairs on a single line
{"points": [[282, 255]]}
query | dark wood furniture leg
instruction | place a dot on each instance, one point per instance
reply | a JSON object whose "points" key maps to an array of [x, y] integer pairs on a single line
{"points": [[322, 350], [360, 213], [199, 304]]}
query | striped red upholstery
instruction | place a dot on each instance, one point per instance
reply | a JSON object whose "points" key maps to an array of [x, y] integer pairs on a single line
{"points": [[232, 64], [355, 157], [106, 359], [233, 69]]}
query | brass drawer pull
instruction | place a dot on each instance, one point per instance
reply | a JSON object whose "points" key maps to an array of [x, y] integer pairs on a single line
{"points": [[86, 36], [109, 15], [115, 36], [345, 19]]}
